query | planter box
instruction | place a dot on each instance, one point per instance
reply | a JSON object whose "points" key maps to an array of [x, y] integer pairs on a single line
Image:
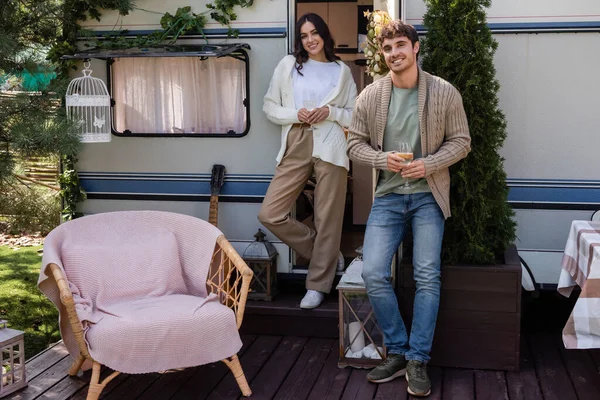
{"points": [[479, 320]]}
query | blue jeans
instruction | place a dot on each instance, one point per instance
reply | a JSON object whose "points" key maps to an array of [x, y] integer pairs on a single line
{"points": [[385, 230]]}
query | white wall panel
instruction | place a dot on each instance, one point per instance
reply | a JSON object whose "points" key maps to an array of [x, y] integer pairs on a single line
{"points": [[522, 11], [549, 94], [263, 14]]}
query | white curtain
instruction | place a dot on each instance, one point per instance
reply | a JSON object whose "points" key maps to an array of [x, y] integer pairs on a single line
{"points": [[179, 94]]}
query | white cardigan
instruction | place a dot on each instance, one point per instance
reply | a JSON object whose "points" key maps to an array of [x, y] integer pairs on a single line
{"points": [[328, 136]]}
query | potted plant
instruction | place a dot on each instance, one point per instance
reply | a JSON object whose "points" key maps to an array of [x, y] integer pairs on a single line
{"points": [[459, 47]]}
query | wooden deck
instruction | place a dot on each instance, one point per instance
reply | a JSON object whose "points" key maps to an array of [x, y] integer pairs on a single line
{"points": [[286, 367]]}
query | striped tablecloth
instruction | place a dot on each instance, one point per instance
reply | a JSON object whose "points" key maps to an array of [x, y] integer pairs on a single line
{"points": [[581, 266]]}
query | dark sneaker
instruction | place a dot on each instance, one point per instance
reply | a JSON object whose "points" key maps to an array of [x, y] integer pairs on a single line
{"points": [[418, 382], [392, 367]]}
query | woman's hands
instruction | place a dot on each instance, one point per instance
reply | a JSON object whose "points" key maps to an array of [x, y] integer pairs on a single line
{"points": [[313, 117], [303, 115], [318, 114]]}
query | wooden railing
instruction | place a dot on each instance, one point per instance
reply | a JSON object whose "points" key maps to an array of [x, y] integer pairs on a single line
{"points": [[41, 169]]}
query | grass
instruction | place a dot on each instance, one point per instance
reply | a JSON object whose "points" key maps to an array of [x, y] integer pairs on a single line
{"points": [[22, 304]]}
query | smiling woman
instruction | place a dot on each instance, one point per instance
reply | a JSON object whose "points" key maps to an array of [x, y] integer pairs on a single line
{"points": [[311, 96]]}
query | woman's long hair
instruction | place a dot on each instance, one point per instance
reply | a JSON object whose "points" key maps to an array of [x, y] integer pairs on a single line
{"points": [[321, 27]]}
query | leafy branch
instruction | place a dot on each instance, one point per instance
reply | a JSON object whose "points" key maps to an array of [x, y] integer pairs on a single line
{"points": [[70, 189], [174, 26], [222, 12]]}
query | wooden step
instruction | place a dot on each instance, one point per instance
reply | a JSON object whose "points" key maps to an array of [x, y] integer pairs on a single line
{"points": [[283, 316]]}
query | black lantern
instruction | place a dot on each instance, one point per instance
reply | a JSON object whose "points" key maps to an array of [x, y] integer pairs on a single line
{"points": [[261, 257]]}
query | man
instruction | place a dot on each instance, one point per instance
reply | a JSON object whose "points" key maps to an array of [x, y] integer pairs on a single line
{"points": [[407, 105]]}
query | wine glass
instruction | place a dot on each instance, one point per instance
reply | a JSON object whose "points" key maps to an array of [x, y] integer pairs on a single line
{"points": [[405, 151], [310, 101]]}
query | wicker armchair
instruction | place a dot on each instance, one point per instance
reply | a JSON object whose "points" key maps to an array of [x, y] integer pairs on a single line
{"points": [[228, 279]]}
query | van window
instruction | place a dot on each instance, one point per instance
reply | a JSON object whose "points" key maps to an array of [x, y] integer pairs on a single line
{"points": [[180, 96]]}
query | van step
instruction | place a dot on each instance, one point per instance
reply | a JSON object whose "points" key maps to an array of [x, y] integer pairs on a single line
{"points": [[283, 316]]}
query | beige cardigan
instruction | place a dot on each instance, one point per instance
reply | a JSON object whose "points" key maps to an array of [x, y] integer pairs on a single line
{"points": [[443, 124], [329, 141]]}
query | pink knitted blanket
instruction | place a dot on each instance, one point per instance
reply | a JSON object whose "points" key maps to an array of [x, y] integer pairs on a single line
{"points": [[139, 283]]}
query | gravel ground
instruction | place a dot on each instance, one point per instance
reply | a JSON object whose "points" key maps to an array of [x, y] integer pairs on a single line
{"points": [[18, 241]]}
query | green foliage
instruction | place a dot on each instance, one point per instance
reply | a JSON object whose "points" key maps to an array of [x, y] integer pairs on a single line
{"points": [[29, 25], [59, 49], [22, 304], [32, 121], [459, 47], [174, 26], [72, 12], [79, 8], [70, 189], [222, 12], [183, 21], [30, 208], [33, 125]]}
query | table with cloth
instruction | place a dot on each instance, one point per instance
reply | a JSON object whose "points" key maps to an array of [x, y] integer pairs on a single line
{"points": [[581, 266]]}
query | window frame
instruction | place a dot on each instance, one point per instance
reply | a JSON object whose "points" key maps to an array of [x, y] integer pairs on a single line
{"points": [[238, 51]]}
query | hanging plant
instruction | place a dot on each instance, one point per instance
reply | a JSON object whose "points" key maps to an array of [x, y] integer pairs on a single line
{"points": [[183, 21], [174, 26], [222, 12], [375, 62]]}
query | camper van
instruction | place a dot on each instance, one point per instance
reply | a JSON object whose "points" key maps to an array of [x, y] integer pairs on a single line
{"points": [[173, 121]]}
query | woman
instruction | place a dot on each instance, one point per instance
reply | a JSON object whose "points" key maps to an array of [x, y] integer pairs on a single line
{"points": [[311, 96]]}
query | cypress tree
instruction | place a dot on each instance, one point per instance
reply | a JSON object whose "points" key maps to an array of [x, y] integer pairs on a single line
{"points": [[459, 47]]}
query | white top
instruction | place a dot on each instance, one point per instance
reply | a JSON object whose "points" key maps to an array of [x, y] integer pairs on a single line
{"points": [[317, 80], [329, 141]]}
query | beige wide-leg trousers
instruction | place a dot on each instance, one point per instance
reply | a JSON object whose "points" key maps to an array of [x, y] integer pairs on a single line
{"points": [[322, 246]]}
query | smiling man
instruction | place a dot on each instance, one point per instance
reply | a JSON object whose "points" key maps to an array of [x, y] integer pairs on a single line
{"points": [[407, 105]]}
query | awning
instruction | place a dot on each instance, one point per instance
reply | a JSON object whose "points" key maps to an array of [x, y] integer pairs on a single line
{"points": [[202, 50]]}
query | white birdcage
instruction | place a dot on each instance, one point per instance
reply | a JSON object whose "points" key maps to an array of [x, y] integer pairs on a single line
{"points": [[88, 103]]}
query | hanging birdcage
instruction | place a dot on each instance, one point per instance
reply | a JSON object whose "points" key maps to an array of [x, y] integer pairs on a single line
{"points": [[88, 103]]}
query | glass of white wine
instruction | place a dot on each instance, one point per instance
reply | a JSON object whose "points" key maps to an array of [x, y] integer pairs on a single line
{"points": [[310, 101], [405, 151]]}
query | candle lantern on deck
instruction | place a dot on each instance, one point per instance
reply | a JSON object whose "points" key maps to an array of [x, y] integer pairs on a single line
{"points": [[361, 338], [261, 257], [12, 360]]}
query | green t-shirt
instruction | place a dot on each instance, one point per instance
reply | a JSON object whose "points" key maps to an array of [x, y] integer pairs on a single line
{"points": [[402, 125]]}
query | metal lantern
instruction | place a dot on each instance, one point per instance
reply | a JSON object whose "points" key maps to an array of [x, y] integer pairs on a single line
{"points": [[88, 103], [361, 339], [261, 257], [12, 360]]}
